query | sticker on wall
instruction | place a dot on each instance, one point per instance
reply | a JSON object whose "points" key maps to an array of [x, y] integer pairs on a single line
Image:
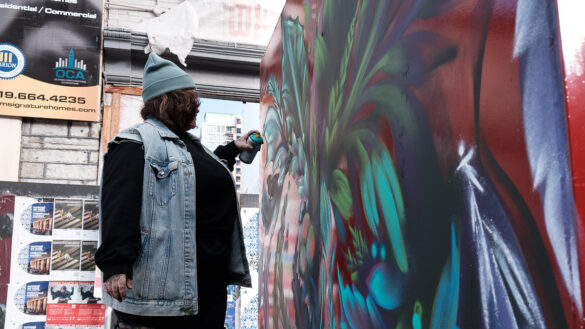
{"points": [[35, 258], [37, 218]]}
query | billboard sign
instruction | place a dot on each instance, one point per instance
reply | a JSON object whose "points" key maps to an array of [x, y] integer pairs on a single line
{"points": [[50, 58]]}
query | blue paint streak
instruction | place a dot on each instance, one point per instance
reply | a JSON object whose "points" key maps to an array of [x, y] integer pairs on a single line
{"points": [[383, 252], [447, 298], [369, 197], [387, 201], [545, 128], [325, 216], [386, 286], [416, 321]]}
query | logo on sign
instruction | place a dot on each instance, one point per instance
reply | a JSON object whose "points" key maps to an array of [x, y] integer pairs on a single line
{"points": [[70, 69], [12, 61]]}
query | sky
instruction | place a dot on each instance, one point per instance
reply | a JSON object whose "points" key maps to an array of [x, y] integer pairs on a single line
{"points": [[216, 106]]}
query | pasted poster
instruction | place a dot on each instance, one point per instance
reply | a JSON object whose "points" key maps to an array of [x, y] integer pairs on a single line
{"points": [[50, 54], [90, 215], [39, 218], [6, 222], [31, 298], [73, 303], [242, 303], [53, 268], [68, 215], [66, 255], [233, 293], [88, 249], [249, 296], [35, 258]]}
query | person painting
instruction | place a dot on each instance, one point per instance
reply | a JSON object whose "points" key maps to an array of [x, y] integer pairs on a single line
{"points": [[171, 234]]}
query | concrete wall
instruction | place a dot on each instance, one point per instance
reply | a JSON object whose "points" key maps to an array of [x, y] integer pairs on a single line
{"points": [[417, 169], [56, 151]]}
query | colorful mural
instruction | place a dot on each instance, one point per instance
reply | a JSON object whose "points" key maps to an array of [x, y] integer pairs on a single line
{"points": [[417, 169]]}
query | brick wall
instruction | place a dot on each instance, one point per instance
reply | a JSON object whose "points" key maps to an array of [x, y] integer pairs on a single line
{"points": [[57, 151]]}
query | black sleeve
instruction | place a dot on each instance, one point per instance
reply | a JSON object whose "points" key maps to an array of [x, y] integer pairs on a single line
{"points": [[121, 202], [228, 152]]}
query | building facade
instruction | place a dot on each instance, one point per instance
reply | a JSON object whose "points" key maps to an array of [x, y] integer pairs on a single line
{"points": [[220, 129]]}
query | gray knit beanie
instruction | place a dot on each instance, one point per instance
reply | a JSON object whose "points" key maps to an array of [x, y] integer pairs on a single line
{"points": [[162, 76]]}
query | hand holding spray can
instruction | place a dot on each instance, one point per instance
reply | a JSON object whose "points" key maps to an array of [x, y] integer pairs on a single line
{"points": [[247, 156]]}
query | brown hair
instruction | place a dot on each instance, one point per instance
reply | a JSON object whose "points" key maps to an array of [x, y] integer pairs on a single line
{"points": [[177, 109]]}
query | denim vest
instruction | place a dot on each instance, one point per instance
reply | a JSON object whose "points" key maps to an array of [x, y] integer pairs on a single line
{"points": [[165, 272]]}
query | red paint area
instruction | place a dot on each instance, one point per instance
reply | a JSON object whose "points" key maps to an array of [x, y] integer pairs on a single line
{"points": [[574, 64]]}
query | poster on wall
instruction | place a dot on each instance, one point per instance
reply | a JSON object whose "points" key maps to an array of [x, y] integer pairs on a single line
{"points": [[50, 55], [35, 258], [249, 296], [73, 303], [233, 294], [52, 268], [39, 218]]}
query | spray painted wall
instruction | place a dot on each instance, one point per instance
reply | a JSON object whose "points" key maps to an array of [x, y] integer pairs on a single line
{"points": [[417, 170]]}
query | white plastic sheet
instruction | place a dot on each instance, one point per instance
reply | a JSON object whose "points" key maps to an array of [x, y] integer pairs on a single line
{"points": [[176, 30]]}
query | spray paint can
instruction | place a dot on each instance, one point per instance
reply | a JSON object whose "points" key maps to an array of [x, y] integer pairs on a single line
{"points": [[247, 156]]}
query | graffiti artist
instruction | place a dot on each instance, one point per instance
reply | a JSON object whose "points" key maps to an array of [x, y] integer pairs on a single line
{"points": [[171, 232]]}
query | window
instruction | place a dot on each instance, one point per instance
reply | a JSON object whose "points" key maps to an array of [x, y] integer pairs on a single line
{"points": [[238, 186], [239, 130], [238, 162], [237, 178], [238, 170]]}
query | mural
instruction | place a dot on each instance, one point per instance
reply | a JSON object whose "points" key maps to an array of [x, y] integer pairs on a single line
{"points": [[416, 171]]}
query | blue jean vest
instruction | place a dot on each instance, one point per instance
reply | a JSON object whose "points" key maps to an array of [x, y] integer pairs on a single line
{"points": [[165, 272]]}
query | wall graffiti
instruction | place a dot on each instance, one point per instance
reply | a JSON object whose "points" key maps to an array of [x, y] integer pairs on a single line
{"points": [[417, 171]]}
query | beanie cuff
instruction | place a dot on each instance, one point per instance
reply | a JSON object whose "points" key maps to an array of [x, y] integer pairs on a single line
{"points": [[164, 86]]}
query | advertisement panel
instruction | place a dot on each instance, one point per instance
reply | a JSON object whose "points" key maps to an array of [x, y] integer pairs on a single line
{"points": [[50, 54], [52, 266]]}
